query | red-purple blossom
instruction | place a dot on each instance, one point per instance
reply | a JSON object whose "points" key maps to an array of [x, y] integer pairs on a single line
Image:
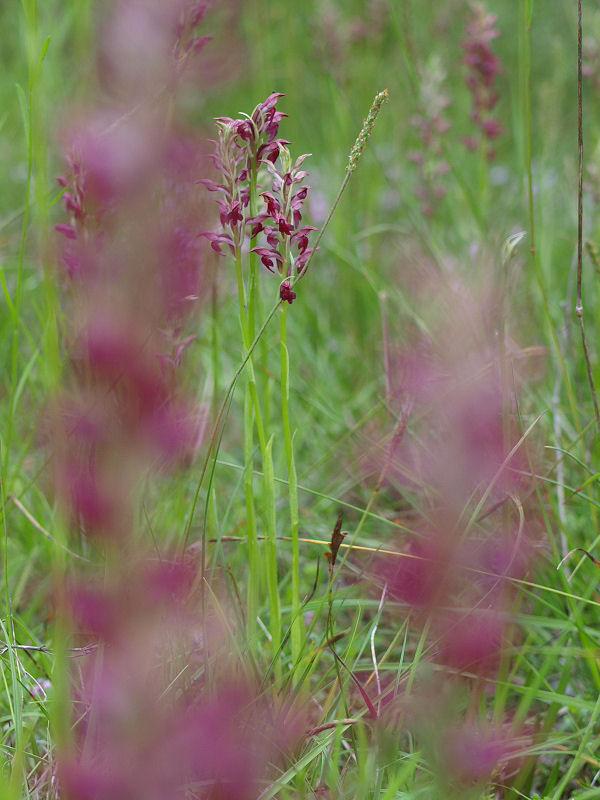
{"points": [[174, 430], [300, 237], [285, 292], [285, 227], [492, 128], [272, 236], [273, 205], [256, 224], [242, 147], [302, 259], [72, 205], [270, 258], [230, 213], [176, 354], [270, 150], [117, 158], [225, 743], [95, 612]]}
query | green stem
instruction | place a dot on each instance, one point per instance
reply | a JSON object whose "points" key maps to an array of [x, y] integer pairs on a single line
{"points": [[253, 559], [297, 629], [525, 91], [252, 259], [216, 359], [248, 348], [272, 577], [251, 404]]}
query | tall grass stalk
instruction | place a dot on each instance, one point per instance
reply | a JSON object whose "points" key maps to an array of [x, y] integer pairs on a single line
{"points": [[28, 101], [579, 306], [525, 13]]}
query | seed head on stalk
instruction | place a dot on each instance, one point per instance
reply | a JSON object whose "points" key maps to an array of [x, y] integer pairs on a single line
{"points": [[366, 130]]}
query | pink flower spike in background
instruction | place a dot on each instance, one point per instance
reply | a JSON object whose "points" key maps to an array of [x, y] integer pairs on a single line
{"points": [[483, 67]]}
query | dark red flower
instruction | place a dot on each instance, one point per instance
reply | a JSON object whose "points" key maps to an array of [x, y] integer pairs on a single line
{"points": [[300, 237], [273, 205], [269, 258], [284, 226], [285, 292]]}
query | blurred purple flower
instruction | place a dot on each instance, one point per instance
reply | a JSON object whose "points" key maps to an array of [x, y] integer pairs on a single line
{"points": [[471, 640], [472, 752], [483, 68]]}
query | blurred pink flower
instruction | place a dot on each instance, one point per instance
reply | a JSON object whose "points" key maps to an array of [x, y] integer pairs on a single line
{"points": [[472, 752]]}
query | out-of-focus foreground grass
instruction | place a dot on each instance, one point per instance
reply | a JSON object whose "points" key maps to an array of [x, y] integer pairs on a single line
{"points": [[424, 217]]}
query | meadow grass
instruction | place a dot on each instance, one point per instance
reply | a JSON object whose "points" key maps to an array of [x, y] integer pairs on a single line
{"points": [[328, 381]]}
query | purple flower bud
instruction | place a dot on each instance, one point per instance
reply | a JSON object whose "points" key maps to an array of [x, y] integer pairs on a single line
{"points": [[300, 194]]}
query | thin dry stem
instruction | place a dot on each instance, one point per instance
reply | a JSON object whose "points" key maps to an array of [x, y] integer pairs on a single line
{"points": [[579, 306]]}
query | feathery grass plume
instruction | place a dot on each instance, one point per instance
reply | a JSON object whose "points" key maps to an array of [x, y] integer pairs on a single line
{"points": [[366, 130]]}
